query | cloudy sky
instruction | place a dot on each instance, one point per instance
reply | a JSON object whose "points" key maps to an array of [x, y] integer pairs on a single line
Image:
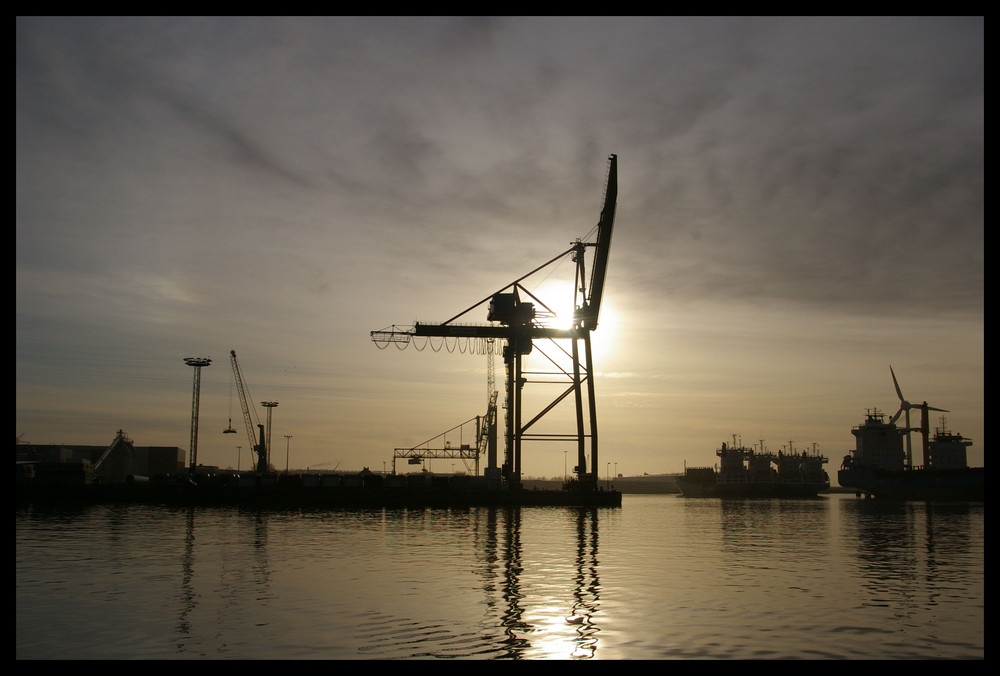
{"points": [[800, 206]]}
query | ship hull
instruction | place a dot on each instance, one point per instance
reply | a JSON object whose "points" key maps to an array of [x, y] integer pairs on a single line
{"points": [[962, 484]]}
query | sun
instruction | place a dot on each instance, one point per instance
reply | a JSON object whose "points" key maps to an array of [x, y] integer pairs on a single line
{"points": [[558, 297]]}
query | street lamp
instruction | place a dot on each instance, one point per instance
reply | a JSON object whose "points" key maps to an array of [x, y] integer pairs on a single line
{"points": [[287, 437]]}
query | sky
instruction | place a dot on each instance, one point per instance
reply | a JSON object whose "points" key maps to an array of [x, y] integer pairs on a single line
{"points": [[800, 206]]}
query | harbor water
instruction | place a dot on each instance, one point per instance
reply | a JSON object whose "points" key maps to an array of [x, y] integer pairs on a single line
{"points": [[662, 577]]}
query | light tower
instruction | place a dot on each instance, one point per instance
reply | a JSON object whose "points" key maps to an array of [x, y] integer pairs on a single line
{"points": [[197, 363], [267, 451]]}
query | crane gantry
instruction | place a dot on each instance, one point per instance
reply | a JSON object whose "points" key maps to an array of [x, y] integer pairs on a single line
{"points": [[518, 325]]}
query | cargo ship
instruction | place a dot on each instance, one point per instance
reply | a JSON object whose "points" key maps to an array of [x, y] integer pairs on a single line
{"points": [[745, 472], [880, 467]]}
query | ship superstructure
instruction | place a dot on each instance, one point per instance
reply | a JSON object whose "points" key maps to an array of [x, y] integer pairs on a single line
{"points": [[756, 472], [881, 464], [948, 449], [878, 444]]}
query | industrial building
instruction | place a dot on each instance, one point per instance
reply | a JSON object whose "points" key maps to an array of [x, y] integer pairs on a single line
{"points": [[118, 462]]}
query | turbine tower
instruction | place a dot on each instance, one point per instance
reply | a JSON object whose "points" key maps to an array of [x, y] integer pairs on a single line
{"points": [[197, 363], [904, 408]]}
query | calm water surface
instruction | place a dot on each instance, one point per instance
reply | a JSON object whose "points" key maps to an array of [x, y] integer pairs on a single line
{"points": [[663, 577]]}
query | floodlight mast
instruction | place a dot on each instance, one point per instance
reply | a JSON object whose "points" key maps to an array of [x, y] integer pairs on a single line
{"points": [[514, 321], [197, 363], [269, 405]]}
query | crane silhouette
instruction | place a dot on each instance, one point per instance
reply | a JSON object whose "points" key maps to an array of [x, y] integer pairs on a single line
{"points": [[517, 322], [258, 446]]}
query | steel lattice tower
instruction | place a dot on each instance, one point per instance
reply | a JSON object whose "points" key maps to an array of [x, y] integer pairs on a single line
{"points": [[197, 363]]}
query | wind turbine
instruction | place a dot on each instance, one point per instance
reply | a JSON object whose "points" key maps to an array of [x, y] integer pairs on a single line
{"points": [[904, 409]]}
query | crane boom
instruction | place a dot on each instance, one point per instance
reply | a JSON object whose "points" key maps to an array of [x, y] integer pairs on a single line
{"points": [[592, 304]]}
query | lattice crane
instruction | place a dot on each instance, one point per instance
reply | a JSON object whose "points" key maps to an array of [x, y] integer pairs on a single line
{"points": [[257, 442], [516, 323]]}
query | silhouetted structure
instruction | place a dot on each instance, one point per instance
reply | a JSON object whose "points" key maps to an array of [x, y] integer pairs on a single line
{"points": [[519, 323]]}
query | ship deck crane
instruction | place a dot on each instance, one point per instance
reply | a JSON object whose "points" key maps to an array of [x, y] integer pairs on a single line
{"points": [[257, 442], [516, 322]]}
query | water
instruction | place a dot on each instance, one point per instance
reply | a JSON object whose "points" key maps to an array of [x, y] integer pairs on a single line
{"points": [[661, 578]]}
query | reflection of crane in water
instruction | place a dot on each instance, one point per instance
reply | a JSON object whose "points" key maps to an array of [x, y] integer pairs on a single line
{"points": [[517, 324], [587, 588], [506, 573]]}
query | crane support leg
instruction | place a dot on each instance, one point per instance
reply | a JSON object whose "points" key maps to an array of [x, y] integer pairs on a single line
{"points": [[581, 452], [518, 387], [592, 403]]}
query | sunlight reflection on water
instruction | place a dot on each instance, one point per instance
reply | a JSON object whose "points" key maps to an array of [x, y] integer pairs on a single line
{"points": [[661, 578]]}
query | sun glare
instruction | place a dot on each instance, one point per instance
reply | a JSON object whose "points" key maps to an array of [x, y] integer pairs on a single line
{"points": [[558, 296], [605, 338]]}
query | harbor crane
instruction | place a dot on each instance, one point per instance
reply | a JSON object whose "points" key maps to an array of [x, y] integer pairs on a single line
{"points": [[518, 325], [485, 436], [257, 442]]}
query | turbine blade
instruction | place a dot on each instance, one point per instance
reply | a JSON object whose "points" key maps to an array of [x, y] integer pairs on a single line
{"points": [[896, 383]]}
